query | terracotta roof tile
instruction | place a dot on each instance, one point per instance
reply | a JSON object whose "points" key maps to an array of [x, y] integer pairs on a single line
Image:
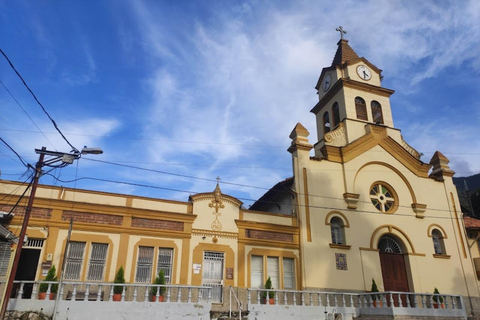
{"points": [[471, 222], [344, 53]]}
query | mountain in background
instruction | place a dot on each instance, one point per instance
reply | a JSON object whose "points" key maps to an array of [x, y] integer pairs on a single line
{"points": [[473, 184]]}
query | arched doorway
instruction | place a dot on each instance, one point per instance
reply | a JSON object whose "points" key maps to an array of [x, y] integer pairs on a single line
{"points": [[392, 260]]}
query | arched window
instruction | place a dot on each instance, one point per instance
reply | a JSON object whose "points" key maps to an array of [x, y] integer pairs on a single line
{"points": [[336, 227], [377, 114], [336, 115], [438, 244], [361, 108], [326, 122], [389, 244]]}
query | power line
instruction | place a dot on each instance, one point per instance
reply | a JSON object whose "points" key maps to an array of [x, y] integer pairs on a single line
{"points": [[207, 142], [35, 97], [21, 107], [228, 183], [247, 199], [23, 162]]}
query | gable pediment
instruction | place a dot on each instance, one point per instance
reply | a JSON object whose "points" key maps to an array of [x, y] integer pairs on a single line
{"points": [[378, 136]]}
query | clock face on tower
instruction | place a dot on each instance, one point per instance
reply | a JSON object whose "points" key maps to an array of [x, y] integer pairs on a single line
{"points": [[364, 73], [327, 81]]}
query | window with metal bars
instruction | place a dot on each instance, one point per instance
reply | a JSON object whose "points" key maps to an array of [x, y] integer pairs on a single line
{"points": [[74, 262], [144, 264], [96, 265], [4, 258], [165, 258]]}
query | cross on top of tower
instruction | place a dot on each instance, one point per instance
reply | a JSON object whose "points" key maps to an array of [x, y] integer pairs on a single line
{"points": [[342, 32]]}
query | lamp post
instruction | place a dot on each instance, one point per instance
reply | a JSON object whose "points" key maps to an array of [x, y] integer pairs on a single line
{"points": [[55, 156]]}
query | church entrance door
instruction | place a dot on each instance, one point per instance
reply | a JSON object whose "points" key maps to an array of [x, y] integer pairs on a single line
{"points": [[394, 271]]}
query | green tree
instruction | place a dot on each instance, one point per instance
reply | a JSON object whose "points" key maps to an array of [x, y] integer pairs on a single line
{"points": [[51, 276], [119, 278]]}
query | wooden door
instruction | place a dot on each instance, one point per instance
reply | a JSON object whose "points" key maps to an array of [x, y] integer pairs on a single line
{"points": [[394, 272], [394, 275]]}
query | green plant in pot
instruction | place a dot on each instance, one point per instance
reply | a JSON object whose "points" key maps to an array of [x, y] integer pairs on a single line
{"points": [[118, 290], [271, 294], [159, 280], [51, 276], [375, 297], [437, 299]]}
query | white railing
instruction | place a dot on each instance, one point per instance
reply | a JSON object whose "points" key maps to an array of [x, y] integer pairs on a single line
{"points": [[395, 299], [104, 291], [239, 304], [302, 298], [380, 303]]}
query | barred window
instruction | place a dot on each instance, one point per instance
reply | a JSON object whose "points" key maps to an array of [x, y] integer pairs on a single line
{"points": [[438, 244], [257, 272], [361, 109], [96, 265], [73, 266], [377, 114], [273, 271], [144, 264], [165, 258], [288, 273], [4, 258], [338, 235]]}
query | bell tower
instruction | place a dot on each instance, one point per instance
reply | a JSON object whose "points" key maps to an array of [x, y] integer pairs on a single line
{"points": [[350, 99]]}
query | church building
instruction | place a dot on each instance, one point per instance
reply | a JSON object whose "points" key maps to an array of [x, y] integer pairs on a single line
{"points": [[360, 208]]}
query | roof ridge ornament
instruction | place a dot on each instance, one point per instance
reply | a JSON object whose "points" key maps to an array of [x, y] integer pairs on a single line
{"points": [[342, 31]]}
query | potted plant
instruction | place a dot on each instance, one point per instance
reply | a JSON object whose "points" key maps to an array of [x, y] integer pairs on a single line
{"points": [[51, 276], [271, 294], [159, 280], [437, 299], [375, 297], [118, 290]]}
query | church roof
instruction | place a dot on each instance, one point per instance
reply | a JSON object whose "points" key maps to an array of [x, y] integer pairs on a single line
{"points": [[344, 53]]}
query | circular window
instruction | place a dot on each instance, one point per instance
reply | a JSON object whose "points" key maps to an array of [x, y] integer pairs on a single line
{"points": [[383, 197], [389, 244]]}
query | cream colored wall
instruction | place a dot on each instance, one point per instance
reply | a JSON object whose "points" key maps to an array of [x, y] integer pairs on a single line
{"points": [[267, 218], [160, 205], [206, 215], [328, 181], [352, 93]]}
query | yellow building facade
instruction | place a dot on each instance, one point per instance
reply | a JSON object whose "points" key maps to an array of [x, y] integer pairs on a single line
{"points": [[360, 206]]}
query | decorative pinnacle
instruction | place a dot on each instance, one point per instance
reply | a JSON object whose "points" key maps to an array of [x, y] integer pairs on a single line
{"points": [[342, 32]]}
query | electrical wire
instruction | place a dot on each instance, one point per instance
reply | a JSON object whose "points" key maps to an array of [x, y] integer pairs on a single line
{"points": [[248, 199], [224, 182], [23, 162], [38, 102], [23, 109]]}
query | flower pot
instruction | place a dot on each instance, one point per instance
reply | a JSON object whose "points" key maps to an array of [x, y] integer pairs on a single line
{"points": [[117, 297], [439, 305], [270, 301], [161, 298], [375, 302], [43, 295]]}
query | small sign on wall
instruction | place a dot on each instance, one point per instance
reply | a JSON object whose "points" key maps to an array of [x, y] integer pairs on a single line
{"points": [[45, 267], [229, 273], [196, 268], [341, 261]]}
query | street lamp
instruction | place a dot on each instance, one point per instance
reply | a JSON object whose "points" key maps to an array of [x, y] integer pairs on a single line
{"points": [[55, 157]]}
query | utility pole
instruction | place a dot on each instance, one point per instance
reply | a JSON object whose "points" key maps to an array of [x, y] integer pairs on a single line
{"points": [[28, 210], [66, 159]]}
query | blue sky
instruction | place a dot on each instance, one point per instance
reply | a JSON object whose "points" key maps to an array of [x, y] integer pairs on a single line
{"points": [[193, 90]]}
